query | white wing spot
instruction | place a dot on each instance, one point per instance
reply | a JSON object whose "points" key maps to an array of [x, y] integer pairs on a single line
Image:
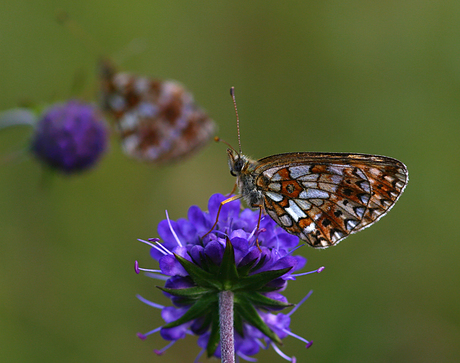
{"points": [[389, 178], [274, 196], [360, 211], [335, 169], [296, 171], [365, 186], [310, 228], [286, 220], [303, 204], [276, 177], [129, 121], [117, 103], [374, 171], [141, 85], [336, 179], [146, 109], [310, 184], [121, 80], [294, 211], [361, 174], [332, 188], [276, 187], [364, 198], [317, 216], [338, 234], [269, 172], [387, 203], [350, 224], [130, 143], [313, 193], [317, 202], [309, 177]]}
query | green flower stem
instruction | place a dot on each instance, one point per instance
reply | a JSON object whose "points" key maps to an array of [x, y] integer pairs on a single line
{"points": [[226, 326], [17, 117]]}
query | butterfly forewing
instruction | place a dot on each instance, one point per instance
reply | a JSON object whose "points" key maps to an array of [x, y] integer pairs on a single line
{"points": [[158, 120], [324, 197]]}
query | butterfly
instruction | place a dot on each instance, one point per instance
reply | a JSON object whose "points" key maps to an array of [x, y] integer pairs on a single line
{"points": [[158, 120], [321, 198]]}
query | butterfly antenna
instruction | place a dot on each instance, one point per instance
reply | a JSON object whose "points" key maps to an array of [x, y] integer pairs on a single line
{"points": [[218, 139], [232, 93]]}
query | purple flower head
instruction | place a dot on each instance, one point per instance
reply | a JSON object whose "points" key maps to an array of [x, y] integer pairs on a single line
{"points": [[197, 269], [70, 137]]}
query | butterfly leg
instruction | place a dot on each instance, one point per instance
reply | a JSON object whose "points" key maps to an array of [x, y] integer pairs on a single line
{"points": [[231, 199], [258, 224], [233, 190]]}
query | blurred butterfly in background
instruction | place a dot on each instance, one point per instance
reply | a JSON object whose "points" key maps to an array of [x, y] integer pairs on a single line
{"points": [[158, 120], [321, 198]]}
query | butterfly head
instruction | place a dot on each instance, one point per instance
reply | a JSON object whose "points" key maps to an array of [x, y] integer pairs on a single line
{"points": [[236, 162]]}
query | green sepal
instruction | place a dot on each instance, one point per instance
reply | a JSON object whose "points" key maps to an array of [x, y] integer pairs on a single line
{"points": [[266, 289], [243, 271], [249, 313], [214, 337], [190, 292], [199, 308], [263, 301], [228, 273], [199, 276], [238, 324], [258, 281]]}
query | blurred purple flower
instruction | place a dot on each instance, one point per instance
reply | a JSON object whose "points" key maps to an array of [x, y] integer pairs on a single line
{"points": [[70, 137], [197, 269]]}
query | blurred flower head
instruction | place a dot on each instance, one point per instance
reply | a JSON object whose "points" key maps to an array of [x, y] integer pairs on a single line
{"points": [[197, 269], [70, 137]]}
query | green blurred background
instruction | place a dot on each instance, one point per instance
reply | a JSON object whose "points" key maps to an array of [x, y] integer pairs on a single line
{"points": [[379, 77]]}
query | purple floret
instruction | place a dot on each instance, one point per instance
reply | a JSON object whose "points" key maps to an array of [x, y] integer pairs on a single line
{"points": [[70, 137]]}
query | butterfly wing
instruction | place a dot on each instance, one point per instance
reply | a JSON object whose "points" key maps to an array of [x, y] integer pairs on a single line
{"points": [[158, 121], [324, 197]]}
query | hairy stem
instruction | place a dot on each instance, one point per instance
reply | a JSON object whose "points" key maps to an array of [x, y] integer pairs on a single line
{"points": [[226, 326]]}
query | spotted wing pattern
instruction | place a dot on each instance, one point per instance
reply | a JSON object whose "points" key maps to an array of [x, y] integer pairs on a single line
{"points": [[158, 120], [324, 197]]}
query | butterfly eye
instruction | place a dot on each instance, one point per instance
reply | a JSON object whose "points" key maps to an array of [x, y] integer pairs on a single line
{"points": [[239, 164], [231, 172]]}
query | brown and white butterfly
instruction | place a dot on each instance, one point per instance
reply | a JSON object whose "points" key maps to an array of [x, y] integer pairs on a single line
{"points": [[158, 120], [320, 197]]}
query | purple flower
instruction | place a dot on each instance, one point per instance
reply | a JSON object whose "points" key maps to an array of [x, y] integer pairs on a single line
{"points": [[198, 268], [70, 137]]}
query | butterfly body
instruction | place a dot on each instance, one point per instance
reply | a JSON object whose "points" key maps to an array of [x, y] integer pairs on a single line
{"points": [[320, 197]]}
